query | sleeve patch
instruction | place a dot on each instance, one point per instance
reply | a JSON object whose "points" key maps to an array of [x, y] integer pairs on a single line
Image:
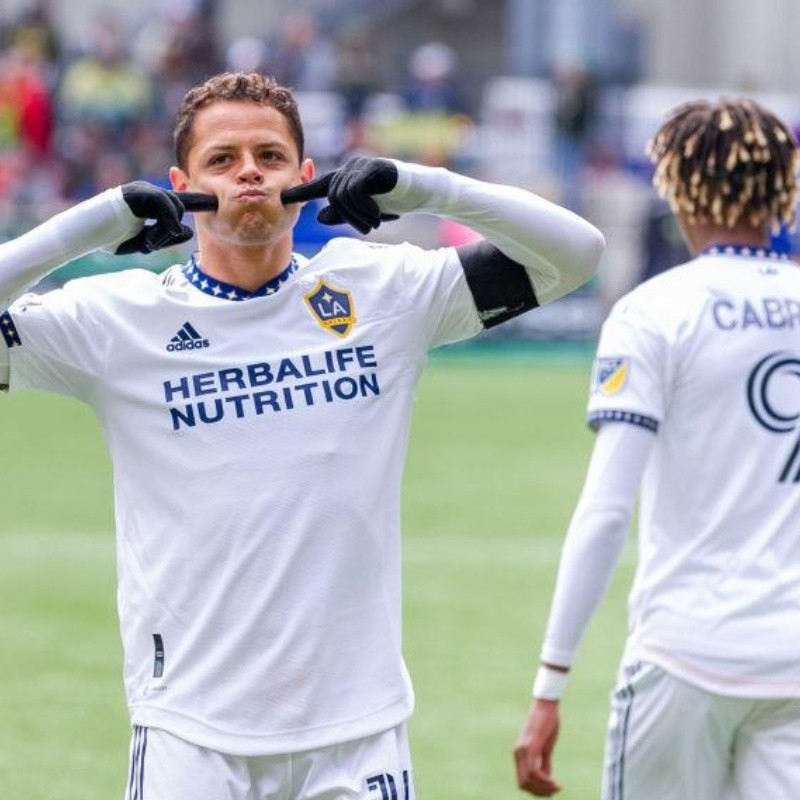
{"points": [[631, 417], [9, 331], [610, 375]]}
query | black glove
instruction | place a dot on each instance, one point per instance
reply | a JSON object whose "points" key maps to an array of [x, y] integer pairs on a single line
{"points": [[152, 203], [349, 191]]}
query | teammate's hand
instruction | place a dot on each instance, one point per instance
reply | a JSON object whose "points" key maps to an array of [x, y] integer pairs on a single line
{"points": [[164, 208], [534, 749], [350, 191]]}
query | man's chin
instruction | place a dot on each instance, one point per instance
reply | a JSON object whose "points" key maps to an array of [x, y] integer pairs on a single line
{"points": [[254, 230]]}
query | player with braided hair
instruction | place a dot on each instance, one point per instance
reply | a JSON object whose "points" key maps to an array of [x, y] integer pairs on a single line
{"points": [[726, 164], [696, 404]]}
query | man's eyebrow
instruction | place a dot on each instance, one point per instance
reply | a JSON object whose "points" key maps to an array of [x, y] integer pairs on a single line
{"points": [[226, 147]]}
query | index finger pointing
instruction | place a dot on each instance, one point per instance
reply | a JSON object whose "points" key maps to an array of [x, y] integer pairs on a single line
{"points": [[313, 190], [196, 201]]}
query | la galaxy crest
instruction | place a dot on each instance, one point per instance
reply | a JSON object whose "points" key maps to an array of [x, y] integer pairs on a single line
{"points": [[610, 375], [332, 308]]}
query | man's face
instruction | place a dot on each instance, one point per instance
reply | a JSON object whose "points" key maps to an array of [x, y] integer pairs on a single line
{"points": [[243, 153]]}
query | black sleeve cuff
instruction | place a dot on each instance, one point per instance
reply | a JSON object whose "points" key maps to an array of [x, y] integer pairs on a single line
{"points": [[631, 417]]}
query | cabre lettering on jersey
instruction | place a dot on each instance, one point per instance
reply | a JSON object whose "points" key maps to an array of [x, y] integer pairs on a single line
{"points": [[205, 398], [766, 312]]}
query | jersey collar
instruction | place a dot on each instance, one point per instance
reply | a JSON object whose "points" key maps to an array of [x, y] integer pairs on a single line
{"points": [[744, 250], [227, 291]]}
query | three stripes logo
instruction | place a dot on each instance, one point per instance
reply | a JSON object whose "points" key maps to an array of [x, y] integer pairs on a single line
{"points": [[187, 338], [774, 399]]}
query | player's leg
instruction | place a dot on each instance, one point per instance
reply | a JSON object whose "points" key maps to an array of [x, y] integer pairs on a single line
{"points": [[667, 739], [767, 755], [375, 768], [164, 767]]}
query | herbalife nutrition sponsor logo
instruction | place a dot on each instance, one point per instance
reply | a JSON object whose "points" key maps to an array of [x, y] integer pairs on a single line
{"points": [[187, 338]]}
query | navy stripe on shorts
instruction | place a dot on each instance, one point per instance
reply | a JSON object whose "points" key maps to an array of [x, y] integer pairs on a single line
{"points": [[136, 776]]}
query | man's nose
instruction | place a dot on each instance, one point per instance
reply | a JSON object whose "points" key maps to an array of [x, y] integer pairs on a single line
{"points": [[249, 170]]}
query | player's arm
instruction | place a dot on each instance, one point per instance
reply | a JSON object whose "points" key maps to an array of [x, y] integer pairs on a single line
{"points": [[114, 220], [535, 251], [594, 541]]}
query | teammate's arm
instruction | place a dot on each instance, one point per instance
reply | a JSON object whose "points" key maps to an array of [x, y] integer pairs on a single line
{"points": [[594, 541], [535, 251]]}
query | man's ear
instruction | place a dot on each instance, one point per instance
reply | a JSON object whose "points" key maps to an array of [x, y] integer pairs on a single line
{"points": [[307, 170], [179, 179]]}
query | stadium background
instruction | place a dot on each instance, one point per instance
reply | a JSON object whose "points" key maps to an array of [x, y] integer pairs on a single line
{"points": [[556, 95]]}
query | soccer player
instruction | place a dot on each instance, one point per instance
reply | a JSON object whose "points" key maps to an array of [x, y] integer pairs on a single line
{"points": [[256, 406], [696, 403]]}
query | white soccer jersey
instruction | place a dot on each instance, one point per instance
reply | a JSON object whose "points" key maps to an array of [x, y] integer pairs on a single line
{"points": [[257, 450], [707, 355]]}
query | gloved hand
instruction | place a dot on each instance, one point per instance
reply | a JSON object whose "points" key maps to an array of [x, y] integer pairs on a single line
{"points": [[350, 191], [164, 208]]}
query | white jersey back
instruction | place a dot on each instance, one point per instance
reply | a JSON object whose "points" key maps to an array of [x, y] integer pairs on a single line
{"points": [[257, 450], [708, 356]]}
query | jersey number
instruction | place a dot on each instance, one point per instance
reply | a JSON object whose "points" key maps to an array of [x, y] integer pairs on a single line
{"points": [[772, 395]]}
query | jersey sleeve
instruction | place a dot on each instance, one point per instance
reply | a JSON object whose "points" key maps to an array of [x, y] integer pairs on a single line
{"points": [[54, 343], [630, 370], [595, 538], [439, 296]]}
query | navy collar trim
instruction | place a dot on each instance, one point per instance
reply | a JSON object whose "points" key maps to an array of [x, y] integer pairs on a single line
{"points": [[227, 291], [744, 250]]}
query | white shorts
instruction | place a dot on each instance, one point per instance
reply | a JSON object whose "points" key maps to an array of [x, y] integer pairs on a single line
{"points": [[164, 767], [669, 740]]}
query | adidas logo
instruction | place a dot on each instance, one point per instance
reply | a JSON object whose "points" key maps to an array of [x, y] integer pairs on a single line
{"points": [[187, 338]]}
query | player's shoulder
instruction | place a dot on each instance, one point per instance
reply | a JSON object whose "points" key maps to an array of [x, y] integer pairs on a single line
{"points": [[359, 250], [362, 259], [125, 282], [666, 292]]}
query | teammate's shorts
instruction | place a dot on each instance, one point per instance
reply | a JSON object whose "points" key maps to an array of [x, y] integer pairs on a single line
{"points": [[669, 740], [164, 767]]}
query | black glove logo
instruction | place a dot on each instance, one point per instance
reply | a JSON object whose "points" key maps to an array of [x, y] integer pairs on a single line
{"points": [[774, 400]]}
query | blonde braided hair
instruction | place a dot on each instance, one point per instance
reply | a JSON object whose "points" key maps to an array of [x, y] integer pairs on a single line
{"points": [[727, 162]]}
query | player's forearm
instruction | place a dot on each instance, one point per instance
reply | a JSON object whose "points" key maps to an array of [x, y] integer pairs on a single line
{"points": [[102, 221], [590, 554], [559, 249], [596, 536]]}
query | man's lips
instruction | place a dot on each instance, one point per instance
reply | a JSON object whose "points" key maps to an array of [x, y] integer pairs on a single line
{"points": [[252, 196]]}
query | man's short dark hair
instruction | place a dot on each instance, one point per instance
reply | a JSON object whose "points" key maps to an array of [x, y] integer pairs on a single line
{"points": [[251, 87]]}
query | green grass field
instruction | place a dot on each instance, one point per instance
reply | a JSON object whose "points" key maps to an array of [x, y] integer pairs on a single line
{"points": [[496, 462]]}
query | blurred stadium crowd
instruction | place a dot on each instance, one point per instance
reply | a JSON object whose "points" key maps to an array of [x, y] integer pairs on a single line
{"points": [[73, 122], [76, 120]]}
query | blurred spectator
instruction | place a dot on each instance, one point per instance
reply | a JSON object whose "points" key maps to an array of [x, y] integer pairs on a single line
{"points": [[26, 109], [573, 117], [104, 98], [29, 177], [663, 243], [302, 57], [178, 49], [432, 83], [247, 54], [35, 31], [105, 85], [356, 71]]}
